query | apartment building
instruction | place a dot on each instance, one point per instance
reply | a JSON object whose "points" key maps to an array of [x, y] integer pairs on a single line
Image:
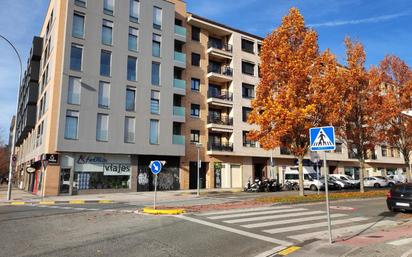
{"points": [[112, 85]]}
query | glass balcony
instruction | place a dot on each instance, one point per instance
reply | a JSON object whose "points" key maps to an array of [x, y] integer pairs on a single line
{"points": [[180, 57], [228, 121], [220, 46], [179, 111], [178, 140], [224, 147], [228, 96], [179, 83], [223, 70], [181, 31]]}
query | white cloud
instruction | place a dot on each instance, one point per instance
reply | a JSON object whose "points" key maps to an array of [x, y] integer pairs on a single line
{"points": [[359, 21]]}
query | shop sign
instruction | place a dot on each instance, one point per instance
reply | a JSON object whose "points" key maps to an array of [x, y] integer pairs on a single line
{"points": [[30, 169], [87, 159], [116, 169], [51, 158]]}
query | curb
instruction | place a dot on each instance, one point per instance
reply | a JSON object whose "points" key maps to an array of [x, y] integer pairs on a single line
{"points": [[79, 201], [163, 212]]}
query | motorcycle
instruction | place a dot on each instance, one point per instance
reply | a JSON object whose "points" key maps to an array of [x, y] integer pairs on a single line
{"points": [[256, 186], [290, 186]]}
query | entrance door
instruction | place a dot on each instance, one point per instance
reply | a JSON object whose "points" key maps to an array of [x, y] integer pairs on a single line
{"points": [[258, 171], [64, 181], [236, 176], [193, 175]]}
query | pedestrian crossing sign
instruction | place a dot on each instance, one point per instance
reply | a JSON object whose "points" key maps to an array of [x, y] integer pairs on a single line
{"points": [[322, 139]]}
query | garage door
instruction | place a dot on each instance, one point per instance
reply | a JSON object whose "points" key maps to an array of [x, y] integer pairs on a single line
{"points": [[236, 176]]}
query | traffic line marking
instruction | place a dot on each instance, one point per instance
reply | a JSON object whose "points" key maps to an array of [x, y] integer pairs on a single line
{"points": [[105, 201], [288, 250], [283, 210], [284, 222], [46, 202], [236, 231], [313, 225], [242, 210], [18, 203], [400, 242], [271, 217], [77, 202], [271, 252]]}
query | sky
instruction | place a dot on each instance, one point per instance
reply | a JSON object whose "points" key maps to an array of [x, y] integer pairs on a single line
{"points": [[383, 26]]}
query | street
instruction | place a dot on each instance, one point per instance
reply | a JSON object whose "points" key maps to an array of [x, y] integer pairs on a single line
{"points": [[115, 230]]}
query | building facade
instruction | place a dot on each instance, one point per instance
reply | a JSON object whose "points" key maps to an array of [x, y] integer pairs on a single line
{"points": [[112, 85]]}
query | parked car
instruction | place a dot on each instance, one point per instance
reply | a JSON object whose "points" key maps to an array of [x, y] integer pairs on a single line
{"points": [[375, 182], [310, 180], [343, 184], [391, 182], [354, 183], [397, 178], [399, 197], [332, 185]]}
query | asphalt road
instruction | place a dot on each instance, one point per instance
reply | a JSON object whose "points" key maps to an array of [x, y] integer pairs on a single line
{"points": [[114, 230]]}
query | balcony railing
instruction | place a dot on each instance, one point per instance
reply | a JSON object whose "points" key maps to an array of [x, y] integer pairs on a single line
{"points": [[226, 147], [223, 70], [228, 121], [179, 83], [180, 57], [228, 96], [181, 31], [284, 151], [179, 111], [178, 140], [249, 144], [223, 47]]}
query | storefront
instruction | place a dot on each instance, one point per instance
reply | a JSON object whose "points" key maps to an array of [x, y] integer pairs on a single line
{"points": [[89, 172], [168, 178]]}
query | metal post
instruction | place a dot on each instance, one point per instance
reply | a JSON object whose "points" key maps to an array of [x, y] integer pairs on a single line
{"points": [[198, 171], [327, 197], [271, 163], [317, 175], [155, 193]]}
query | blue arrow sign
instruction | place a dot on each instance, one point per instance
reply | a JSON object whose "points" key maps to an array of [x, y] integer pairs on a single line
{"points": [[322, 139], [156, 167]]}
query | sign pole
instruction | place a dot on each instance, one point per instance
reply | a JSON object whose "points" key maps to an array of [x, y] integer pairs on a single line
{"points": [[327, 197], [155, 193], [317, 174]]}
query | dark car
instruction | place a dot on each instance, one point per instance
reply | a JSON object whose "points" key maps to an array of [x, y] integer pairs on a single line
{"points": [[400, 197]]}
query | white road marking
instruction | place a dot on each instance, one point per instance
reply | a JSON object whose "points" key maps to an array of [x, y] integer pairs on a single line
{"points": [[407, 254], [283, 222], [272, 217], [313, 225], [399, 242], [236, 231], [271, 252], [342, 231], [255, 213], [242, 210], [80, 209]]}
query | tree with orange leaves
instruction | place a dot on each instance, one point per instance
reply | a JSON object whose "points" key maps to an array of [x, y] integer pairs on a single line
{"points": [[394, 77], [297, 89], [358, 125]]}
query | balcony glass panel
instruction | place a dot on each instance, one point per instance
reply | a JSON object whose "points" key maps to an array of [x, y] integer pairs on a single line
{"points": [[180, 57], [181, 31], [179, 111], [180, 84], [178, 140]]}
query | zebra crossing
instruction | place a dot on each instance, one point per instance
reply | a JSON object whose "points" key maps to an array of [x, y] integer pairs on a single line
{"points": [[291, 224]]}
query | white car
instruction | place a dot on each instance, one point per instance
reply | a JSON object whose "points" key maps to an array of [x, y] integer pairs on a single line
{"points": [[346, 178], [375, 182]]}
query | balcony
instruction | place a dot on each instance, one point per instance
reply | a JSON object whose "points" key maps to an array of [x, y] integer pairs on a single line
{"points": [[219, 51], [251, 144], [178, 140], [180, 33], [221, 74], [224, 99], [180, 60], [179, 113], [179, 86], [223, 147], [220, 124]]}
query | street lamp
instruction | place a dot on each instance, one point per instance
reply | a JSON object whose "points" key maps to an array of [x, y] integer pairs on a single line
{"points": [[14, 132], [198, 146]]}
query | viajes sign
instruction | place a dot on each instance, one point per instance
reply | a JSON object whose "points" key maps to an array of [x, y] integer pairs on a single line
{"points": [[116, 169]]}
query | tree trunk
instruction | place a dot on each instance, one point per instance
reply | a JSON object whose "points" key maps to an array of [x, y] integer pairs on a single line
{"points": [[361, 175], [301, 186], [409, 173]]}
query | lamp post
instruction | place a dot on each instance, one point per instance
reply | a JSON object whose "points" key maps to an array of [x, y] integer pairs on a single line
{"points": [[12, 147], [198, 146]]}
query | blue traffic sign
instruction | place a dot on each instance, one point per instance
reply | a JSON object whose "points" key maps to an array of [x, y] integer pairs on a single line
{"points": [[322, 139], [155, 167]]}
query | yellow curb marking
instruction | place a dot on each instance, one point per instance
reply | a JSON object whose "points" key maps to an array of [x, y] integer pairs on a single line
{"points": [[105, 201], [77, 202], [163, 212], [18, 203], [47, 202], [288, 250]]}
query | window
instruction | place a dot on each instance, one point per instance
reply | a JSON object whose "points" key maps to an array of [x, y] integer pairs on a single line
{"points": [[78, 25], [157, 39], [105, 60], [248, 68], [131, 68], [107, 32], [129, 130], [195, 84], [134, 10], [195, 59], [133, 42], [194, 136], [259, 48], [73, 95], [195, 110], [195, 33], [72, 122], [108, 7], [102, 127], [338, 148], [248, 91], [248, 46], [155, 102], [246, 141], [157, 18], [245, 113], [384, 151], [104, 95], [81, 3], [130, 99], [155, 73], [76, 57], [154, 132]]}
